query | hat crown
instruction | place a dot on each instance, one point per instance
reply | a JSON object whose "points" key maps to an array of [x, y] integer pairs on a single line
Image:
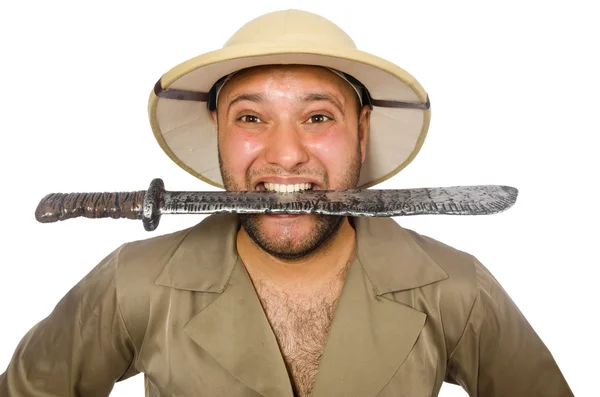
{"points": [[291, 26]]}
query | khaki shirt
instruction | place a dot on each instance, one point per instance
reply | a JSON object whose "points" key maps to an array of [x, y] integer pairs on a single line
{"points": [[182, 309]]}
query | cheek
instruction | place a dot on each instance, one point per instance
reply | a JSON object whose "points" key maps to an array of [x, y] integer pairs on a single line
{"points": [[239, 151], [335, 152]]}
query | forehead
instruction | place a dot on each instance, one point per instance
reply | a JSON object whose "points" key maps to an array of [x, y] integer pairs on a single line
{"points": [[286, 77]]}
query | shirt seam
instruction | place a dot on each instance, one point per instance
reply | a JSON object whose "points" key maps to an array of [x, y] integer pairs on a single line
{"points": [[134, 362], [468, 320]]}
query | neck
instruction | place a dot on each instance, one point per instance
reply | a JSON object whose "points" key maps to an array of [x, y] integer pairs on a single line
{"points": [[313, 270]]}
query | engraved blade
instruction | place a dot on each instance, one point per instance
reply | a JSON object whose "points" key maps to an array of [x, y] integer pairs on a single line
{"points": [[454, 200]]}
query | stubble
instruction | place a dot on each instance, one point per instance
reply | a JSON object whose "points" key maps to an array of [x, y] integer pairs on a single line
{"points": [[287, 247]]}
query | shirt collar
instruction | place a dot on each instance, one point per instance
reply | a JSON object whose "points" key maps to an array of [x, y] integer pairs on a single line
{"points": [[391, 256]]}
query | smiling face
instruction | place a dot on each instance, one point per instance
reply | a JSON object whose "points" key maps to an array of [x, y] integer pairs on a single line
{"points": [[289, 128]]}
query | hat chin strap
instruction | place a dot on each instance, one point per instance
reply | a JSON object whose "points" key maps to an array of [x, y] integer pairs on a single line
{"points": [[184, 95], [230, 75], [221, 84], [356, 89]]}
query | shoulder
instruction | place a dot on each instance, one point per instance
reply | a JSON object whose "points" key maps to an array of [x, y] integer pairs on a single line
{"points": [[429, 275], [461, 266], [143, 261], [148, 270], [456, 298], [466, 274], [404, 259]]}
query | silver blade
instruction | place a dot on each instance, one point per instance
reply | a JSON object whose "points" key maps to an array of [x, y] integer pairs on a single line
{"points": [[454, 200]]}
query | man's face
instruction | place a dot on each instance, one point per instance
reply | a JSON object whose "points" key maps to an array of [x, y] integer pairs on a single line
{"points": [[290, 126]]}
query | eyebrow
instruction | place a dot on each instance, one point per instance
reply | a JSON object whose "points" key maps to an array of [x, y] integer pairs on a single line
{"points": [[326, 98], [313, 97], [258, 98]]}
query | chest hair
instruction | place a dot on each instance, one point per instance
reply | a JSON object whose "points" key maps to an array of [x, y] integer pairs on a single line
{"points": [[301, 322]]}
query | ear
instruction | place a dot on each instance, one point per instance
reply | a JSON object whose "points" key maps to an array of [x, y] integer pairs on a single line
{"points": [[364, 129], [213, 115]]}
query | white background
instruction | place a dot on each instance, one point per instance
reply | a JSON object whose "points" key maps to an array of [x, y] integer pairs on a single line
{"points": [[514, 91]]}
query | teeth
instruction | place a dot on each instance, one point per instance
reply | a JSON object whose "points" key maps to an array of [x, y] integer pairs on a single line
{"points": [[281, 188]]}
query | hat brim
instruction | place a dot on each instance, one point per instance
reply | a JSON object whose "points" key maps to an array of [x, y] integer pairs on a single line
{"points": [[185, 130]]}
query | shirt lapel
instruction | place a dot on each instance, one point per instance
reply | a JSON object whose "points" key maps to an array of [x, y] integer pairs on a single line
{"points": [[235, 331], [232, 327], [368, 340], [372, 334]]}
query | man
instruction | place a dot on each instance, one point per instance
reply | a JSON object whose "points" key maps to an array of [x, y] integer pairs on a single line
{"points": [[287, 305]]}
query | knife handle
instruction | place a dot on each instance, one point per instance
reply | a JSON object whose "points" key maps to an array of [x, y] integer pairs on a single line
{"points": [[62, 206]]}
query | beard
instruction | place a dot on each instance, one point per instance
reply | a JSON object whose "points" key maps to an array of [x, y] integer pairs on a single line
{"points": [[286, 246]]}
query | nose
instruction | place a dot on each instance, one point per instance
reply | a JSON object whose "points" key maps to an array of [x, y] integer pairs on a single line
{"points": [[285, 148]]}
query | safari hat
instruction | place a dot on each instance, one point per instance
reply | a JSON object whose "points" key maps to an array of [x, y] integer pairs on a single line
{"points": [[179, 103]]}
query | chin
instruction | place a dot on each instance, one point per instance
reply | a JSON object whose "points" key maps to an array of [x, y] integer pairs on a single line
{"points": [[290, 236], [289, 232]]}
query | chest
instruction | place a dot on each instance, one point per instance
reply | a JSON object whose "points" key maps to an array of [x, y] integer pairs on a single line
{"points": [[301, 327]]}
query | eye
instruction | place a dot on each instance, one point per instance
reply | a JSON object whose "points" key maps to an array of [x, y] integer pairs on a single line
{"points": [[249, 119], [318, 118]]}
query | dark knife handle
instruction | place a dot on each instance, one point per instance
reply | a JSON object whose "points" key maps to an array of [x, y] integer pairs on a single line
{"points": [[61, 206]]}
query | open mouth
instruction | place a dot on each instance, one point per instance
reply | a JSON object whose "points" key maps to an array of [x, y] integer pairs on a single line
{"points": [[285, 188]]}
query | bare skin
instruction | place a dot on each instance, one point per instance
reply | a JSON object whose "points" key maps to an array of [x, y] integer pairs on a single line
{"points": [[293, 125], [298, 303]]}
